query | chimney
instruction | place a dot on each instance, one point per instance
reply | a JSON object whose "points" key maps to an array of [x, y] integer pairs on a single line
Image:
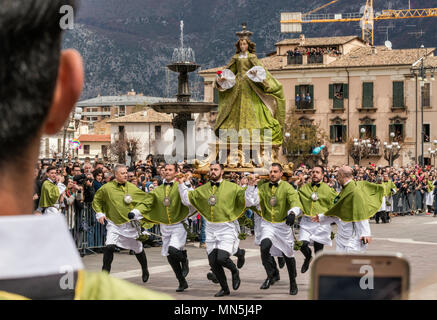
{"points": [[374, 50]]}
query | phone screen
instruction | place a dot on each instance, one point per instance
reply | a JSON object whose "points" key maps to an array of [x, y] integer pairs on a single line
{"points": [[348, 288]]}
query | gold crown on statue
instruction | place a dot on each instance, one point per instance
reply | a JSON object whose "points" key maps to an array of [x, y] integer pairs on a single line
{"points": [[244, 34]]}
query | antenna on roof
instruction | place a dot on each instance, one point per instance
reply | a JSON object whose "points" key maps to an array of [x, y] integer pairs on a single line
{"points": [[388, 44]]}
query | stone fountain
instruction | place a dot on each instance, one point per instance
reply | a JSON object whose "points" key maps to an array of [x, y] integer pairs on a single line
{"points": [[183, 62]]}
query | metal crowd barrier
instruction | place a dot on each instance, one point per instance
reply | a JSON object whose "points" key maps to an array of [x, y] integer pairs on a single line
{"points": [[89, 235]]}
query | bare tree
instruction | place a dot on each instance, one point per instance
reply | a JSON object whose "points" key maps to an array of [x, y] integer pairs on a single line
{"points": [[124, 146]]}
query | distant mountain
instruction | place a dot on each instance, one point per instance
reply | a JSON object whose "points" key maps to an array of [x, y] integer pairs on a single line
{"points": [[127, 44]]}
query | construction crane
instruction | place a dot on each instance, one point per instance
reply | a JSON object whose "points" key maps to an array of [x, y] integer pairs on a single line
{"points": [[291, 22]]}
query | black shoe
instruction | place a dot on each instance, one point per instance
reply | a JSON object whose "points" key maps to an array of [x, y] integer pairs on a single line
{"points": [[184, 264], [266, 284], [377, 222], [293, 288], [281, 262], [222, 293], [145, 276], [241, 259], [211, 276], [306, 264], [182, 286], [131, 252], [236, 280]]}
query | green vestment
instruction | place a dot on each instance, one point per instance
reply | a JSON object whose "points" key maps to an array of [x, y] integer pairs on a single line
{"points": [[251, 105], [109, 199], [357, 201], [325, 194], [430, 186], [153, 209], [49, 194], [285, 198], [229, 197], [388, 185]]}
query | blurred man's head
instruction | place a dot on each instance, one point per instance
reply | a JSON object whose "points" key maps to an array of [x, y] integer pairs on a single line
{"points": [[316, 174], [275, 173], [216, 171], [120, 172], [39, 85], [344, 175], [170, 172], [51, 173]]}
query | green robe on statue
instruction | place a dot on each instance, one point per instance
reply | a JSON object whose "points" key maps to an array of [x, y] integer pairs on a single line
{"points": [[230, 201], [109, 199], [286, 198], [357, 201], [326, 196], [251, 105], [153, 209], [49, 194]]}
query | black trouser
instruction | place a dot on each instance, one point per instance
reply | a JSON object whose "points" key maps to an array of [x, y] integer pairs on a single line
{"points": [[175, 258], [108, 256], [305, 249], [270, 266], [217, 260]]}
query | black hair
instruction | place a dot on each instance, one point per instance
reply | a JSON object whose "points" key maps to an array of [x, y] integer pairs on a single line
{"points": [[319, 166], [278, 165], [30, 40], [222, 167], [51, 168], [175, 166]]}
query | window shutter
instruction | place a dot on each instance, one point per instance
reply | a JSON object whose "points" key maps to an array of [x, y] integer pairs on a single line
{"points": [[216, 96], [344, 133], [345, 91], [373, 131], [311, 90], [391, 128], [367, 94], [398, 94], [332, 132], [331, 91]]}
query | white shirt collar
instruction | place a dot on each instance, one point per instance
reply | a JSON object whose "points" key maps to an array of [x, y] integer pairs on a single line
{"points": [[347, 183], [243, 55], [33, 246]]}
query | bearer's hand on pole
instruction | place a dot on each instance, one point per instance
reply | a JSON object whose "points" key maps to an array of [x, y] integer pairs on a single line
{"points": [[101, 220], [131, 215], [290, 219], [315, 218]]}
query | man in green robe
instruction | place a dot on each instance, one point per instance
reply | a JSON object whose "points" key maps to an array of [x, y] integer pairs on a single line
{"points": [[278, 204], [221, 203], [48, 203], [39, 259], [356, 203], [389, 190], [112, 203], [316, 197], [163, 205]]}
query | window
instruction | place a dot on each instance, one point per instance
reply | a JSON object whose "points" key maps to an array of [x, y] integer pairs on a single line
{"points": [[398, 94], [338, 92], [157, 132], [86, 149], [304, 97], [426, 95], [370, 131], [338, 133], [121, 111], [398, 129], [426, 132], [216, 96], [367, 94], [104, 151]]}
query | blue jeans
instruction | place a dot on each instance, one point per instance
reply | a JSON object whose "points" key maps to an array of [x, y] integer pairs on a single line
{"points": [[202, 230]]}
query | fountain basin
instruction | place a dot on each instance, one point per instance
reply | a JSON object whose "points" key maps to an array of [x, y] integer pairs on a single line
{"points": [[183, 66], [183, 107]]}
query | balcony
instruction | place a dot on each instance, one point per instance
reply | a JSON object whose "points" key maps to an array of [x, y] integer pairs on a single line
{"points": [[304, 107], [96, 113], [316, 58], [291, 60]]}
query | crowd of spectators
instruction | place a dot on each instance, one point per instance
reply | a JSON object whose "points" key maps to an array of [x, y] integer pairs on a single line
{"points": [[313, 51]]}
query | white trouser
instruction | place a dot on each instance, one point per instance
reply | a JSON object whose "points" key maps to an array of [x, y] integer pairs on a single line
{"points": [[124, 236], [314, 232], [281, 236], [173, 235], [223, 236]]}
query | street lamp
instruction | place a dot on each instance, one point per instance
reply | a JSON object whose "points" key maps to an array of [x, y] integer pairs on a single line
{"points": [[419, 73], [76, 116]]}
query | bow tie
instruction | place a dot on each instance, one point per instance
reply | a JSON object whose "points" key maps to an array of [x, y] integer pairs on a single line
{"points": [[217, 184], [121, 184], [315, 184], [271, 184], [168, 184]]}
